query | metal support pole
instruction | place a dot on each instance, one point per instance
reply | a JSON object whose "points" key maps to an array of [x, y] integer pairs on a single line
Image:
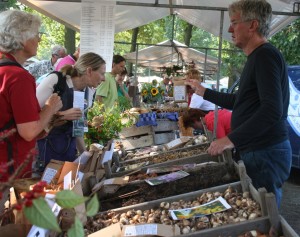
{"points": [[219, 71]]}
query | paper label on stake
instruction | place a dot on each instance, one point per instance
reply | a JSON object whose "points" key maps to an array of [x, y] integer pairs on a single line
{"points": [[78, 125], [108, 154], [68, 181], [217, 205], [180, 93], [167, 178], [49, 175], [149, 229]]}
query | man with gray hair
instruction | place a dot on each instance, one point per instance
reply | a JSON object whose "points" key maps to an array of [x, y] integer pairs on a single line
{"points": [[259, 108], [43, 67]]}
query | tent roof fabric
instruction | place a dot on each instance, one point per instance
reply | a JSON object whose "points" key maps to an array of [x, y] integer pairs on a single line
{"points": [[169, 53], [209, 15], [205, 14]]}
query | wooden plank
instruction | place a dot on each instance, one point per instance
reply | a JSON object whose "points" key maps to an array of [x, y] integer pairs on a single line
{"points": [[162, 138], [197, 159], [165, 152], [243, 175], [165, 125], [133, 143], [185, 197], [262, 192], [273, 214], [135, 131]]}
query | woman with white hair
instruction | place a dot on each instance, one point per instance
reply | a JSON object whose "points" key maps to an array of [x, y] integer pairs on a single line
{"points": [[20, 110]]}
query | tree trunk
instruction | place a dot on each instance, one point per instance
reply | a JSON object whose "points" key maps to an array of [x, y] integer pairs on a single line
{"points": [[70, 40], [188, 34], [135, 33]]}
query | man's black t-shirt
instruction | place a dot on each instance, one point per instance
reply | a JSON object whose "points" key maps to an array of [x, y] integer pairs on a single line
{"points": [[261, 103]]}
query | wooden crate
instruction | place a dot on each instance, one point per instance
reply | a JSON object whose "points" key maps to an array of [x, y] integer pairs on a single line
{"points": [[135, 131], [164, 125], [181, 149], [226, 230], [134, 143], [270, 222], [262, 224], [113, 171], [200, 177], [162, 138]]}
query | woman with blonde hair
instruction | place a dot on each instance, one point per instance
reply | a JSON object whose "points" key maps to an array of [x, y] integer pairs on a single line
{"points": [[88, 71]]}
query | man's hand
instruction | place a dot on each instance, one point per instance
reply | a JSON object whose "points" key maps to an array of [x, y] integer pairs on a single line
{"points": [[195, 85], [218, 146]]}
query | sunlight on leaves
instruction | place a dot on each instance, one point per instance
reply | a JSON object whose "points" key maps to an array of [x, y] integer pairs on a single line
{"points": [[40, 214], [92, 206], [69, 199], [77, 229]]}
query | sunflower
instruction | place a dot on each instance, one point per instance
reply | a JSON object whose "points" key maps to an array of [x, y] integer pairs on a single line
{"points": [[154, 91], [144, 92]]}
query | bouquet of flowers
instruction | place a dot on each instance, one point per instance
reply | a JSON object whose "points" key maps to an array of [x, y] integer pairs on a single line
{"points": [[105, 124], [152, 92]]}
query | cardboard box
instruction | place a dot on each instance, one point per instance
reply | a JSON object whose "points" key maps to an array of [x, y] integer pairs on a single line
{"points": [[110, 231], [150, 230], [56, 171], [52, 171], [67, 167], [139, 230], [180, 91], [177, 143]]}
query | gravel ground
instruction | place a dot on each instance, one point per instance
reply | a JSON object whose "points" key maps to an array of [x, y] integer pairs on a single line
{"points": [[290, 205]]}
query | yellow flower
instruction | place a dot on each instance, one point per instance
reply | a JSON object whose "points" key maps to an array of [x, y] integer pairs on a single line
{"points": [[144, 92], [154, 91]]}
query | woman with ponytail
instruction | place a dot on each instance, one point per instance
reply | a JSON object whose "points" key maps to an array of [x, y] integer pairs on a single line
{"points": [[88, 71]]}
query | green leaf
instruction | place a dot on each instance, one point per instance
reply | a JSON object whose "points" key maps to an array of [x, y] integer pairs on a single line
{"points": [[77, 229], [40, 214], [69, 199], [92, 206]]}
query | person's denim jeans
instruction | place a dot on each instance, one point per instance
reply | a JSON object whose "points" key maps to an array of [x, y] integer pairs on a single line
{"points": [[269, 167]]}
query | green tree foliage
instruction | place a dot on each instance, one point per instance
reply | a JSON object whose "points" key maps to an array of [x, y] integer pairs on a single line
{"points": [[54, 34], [151, 33], [287, 41], [54, 31], [8, 4]]}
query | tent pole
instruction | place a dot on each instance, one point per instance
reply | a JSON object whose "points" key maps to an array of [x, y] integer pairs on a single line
{"points": [[205, 62], [219, 71], [135, 98]]}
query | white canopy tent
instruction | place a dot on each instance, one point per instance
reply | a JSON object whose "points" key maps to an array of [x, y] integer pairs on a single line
{"points": [[205, 14], [171, 52]]}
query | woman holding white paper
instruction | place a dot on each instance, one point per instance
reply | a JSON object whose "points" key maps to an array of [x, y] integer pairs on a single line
{"points": [[88, 71]]}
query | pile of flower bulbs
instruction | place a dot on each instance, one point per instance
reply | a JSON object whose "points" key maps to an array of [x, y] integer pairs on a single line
{"points": [[243, 208]]}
